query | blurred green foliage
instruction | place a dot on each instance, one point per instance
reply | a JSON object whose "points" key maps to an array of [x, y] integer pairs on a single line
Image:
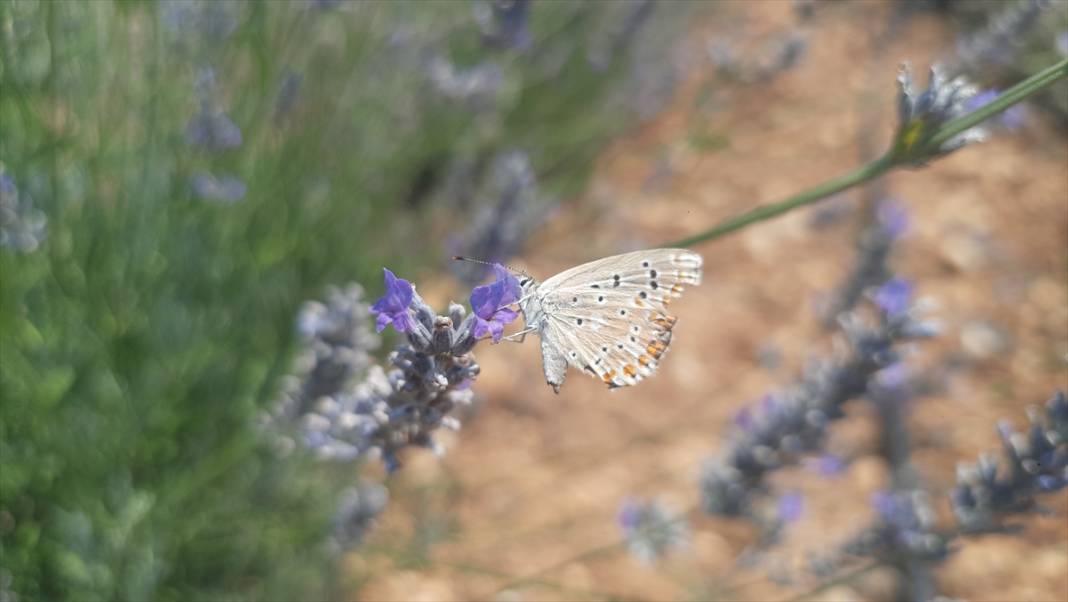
{"points": [[142, 339]]}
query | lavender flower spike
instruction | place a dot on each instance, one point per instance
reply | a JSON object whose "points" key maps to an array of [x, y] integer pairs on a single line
{"points": [[922, 114], [392, 308], [490, 302]]}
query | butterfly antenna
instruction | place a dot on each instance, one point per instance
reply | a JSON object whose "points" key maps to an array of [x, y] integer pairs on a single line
{"points": [[473, 260]]}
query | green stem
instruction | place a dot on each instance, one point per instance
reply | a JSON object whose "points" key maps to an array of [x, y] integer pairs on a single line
{"points": [[1006, 99], [764, 212], [876, 168]]}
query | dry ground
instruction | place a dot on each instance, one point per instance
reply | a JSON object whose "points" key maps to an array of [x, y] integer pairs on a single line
{"points": [[523, 505]]}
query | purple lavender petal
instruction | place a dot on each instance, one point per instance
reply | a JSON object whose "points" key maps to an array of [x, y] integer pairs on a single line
{"points": [[790, 507], [392, 308], [893, 218], [830, 465], [893, 296]]}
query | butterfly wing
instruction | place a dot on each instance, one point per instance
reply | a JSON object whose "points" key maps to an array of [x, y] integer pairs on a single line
{"points": [[609, 317]]}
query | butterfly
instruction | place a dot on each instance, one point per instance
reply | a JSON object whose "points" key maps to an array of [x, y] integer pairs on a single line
{"points": [[607, 317]]}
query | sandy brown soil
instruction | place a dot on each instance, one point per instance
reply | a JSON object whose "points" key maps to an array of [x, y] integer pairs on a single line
{"points": [[523, 505]]}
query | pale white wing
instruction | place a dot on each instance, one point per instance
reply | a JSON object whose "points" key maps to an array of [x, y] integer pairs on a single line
{"points": [[609, 316]]}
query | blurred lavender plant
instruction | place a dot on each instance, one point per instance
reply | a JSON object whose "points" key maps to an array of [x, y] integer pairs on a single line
{"points": [[922, 114], [778, 55], [504, 23], [500, 226], [430, 374], [337, 343], [651, 529], [211, 129], [1037, 462], [224, 189], [475, 86], [999, 41], [355, 514], [793, 423], [873, 247], [22, 225]]}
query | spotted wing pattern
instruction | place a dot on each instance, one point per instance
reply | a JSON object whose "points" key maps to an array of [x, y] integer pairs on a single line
{"points": [[609, 317]]}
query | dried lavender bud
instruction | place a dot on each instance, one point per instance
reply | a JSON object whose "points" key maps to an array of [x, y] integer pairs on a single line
{"points": [[922, 114]]}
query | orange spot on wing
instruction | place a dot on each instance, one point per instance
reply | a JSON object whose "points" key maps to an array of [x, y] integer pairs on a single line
{"points": [[608, 376], [629, 370], [643, 360]]}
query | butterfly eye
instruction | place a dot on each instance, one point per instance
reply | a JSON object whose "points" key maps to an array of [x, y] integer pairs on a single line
{"points": [[524, 282]]}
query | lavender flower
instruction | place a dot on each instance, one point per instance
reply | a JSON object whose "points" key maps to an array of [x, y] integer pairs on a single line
{"points": [[355, 514], [790, 507], [505, 23], [998, 42], [224, 189], [887, 224], [490, 304], [212, 20], [476, 86], [392, 308], [905, 525], [828, 465], [893, 297], [510, 210], [795, 422], [22, 226], [651, 529], [921, 115], [430, 375], [213, 130], [337, 342], [1036, 462]]}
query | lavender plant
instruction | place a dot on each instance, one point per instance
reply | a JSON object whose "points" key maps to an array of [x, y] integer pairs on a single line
{"points": [[430, 375], [22, 225], [512, 209], [790, 424]]}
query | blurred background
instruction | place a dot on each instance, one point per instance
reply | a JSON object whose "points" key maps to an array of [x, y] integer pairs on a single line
{"points": [[179, 178]]}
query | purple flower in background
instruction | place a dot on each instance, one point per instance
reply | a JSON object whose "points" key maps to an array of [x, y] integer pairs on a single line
{"points": [[651, 528], [489, 302], [893, 218], [226, 189], [392, 308], [213, 130], [828, 465], [1011, 118], [790, 507], [893, 297]]}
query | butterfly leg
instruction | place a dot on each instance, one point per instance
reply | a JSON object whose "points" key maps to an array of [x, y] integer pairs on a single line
{"points": [[519, 337]]}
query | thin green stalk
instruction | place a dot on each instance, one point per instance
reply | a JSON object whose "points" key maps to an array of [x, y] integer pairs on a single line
{"points": [[1006, 99], [764, 212], [880, 166]]}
